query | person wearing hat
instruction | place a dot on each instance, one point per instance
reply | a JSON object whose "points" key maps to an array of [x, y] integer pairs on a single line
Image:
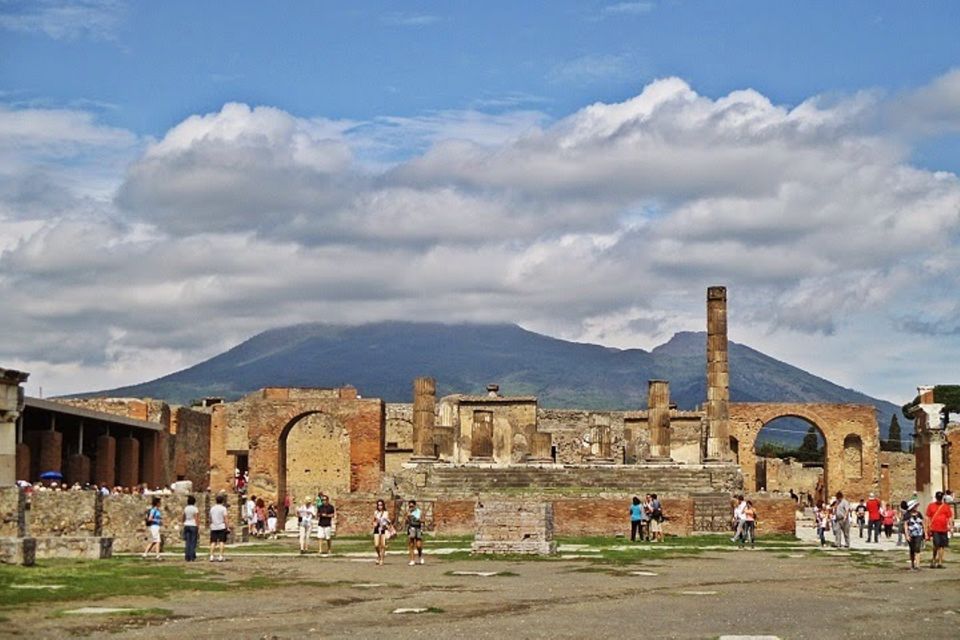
{"points": [[305, 514], [914, 529]]}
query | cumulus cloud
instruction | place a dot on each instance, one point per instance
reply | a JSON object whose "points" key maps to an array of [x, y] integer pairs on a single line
{"points": [[607, 224]]}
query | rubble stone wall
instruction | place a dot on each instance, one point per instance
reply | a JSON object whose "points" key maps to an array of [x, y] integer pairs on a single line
{"points": [[63, 513]]}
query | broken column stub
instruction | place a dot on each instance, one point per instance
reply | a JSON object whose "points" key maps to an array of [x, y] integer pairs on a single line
{"points": [[424, 419], [718, 376], [658, 412], [514, 526]]}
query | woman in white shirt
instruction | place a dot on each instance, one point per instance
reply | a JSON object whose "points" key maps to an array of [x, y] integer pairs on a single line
{"points": [[305, 513], [191, 531]]}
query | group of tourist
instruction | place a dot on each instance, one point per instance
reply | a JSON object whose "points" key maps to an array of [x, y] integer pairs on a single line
{"points": [[646, 519], [874, 515], [319, 514]]}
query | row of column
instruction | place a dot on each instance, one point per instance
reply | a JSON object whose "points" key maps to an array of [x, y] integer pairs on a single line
{"points": [[103, 470]]}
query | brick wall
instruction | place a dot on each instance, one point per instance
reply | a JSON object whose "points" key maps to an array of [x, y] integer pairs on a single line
{"points": [[192, 447], [775, 515]]}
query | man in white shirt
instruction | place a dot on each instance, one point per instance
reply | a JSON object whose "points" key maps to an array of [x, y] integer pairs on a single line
{"points": [[740, 518], [219, 527]]}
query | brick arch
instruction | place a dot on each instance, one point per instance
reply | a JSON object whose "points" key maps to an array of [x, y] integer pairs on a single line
{"points": [[270, 414], [836, 422]]}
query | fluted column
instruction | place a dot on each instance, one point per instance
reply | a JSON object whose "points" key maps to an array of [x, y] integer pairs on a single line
{"points": [[718, 376], [11, 404], [424, 404], [658, 417]]}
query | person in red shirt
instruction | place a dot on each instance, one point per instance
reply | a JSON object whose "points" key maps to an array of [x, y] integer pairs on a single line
{"points": [[939, 519], [873, 518]]}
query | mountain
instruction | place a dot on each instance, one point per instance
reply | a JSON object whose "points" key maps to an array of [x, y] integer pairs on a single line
{"points": [[382, 359]]}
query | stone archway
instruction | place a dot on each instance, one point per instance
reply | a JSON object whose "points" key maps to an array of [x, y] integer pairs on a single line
{"points": [[313, 454], [269, 415], [839, 424]]}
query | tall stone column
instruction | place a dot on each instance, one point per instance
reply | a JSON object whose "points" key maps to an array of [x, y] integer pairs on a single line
{"points": [[128, 461], [105, 473], [718, 376], [51, 451], [424, 417], [658, 412], [927, 422], [11, 405]]}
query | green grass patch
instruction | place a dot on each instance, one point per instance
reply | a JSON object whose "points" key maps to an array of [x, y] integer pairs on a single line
{"points": [[98, 579]]}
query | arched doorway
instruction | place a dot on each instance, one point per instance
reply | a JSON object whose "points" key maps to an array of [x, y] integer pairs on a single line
{"points": [[314, 455], [791, 455]]}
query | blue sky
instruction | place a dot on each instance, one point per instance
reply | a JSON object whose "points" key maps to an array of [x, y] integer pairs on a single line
{"points": [[627, 153]]}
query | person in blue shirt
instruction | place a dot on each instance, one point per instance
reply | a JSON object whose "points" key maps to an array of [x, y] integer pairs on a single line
{"points": [[636, 519], [154, 520]]}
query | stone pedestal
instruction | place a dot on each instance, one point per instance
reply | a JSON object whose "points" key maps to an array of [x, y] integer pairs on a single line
{"points": [[514, 526], [718, 376], [51, 451], [11, 404], [424, 418], [128, 462], [105, 472], [658, 412]]}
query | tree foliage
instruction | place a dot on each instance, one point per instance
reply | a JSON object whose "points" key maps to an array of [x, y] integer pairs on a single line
{"points": [[892, 443]]}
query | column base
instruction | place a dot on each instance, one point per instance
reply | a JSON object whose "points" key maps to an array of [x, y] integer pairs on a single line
{"points": [[423, 459], [658, 460], [600, 461]]}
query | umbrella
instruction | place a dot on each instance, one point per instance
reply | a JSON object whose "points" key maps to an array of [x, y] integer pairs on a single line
{"points": [[51, 475]]}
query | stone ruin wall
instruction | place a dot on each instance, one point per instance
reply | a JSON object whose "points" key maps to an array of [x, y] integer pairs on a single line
{"points": [[399, 435], [190, 458], [784, 475], [898, 477]]}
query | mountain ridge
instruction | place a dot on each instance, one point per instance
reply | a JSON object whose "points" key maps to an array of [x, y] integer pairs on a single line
{"points": [[382, 358]]}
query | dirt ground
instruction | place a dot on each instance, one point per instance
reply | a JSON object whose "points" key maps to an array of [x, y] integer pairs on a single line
{"points": [[799, 595]]}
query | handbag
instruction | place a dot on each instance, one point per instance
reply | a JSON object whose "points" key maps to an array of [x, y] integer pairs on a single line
{"points": [[391, 532]]}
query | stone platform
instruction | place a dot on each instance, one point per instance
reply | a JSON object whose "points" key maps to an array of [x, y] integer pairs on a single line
{"points": [[514, 526]]}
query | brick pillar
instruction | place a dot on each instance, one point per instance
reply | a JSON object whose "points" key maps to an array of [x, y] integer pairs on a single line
{"points": [[32, 440], [78, 469], [718, 376], [105, 472], [11, 404], [128, 461], [424, 405], [23, 462], [658, 412], [151, 471], [51, 451]]}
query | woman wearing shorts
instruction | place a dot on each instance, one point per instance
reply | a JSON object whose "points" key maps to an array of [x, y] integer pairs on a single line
{"points": [[381, 530], [154, 519]]}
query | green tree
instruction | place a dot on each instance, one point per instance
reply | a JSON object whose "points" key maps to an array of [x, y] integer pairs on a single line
{"points": [[892, 443], [809, 450]]}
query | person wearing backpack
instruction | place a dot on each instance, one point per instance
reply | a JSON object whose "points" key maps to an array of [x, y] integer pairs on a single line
{"points": [[939, 518], [153, 520]]}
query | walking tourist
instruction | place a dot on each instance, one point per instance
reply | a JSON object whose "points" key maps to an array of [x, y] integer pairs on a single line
{"points": [[272, 521], [260, 517], [382, 530], [250, 514], [873, 519], [656, 518], [938, 523], [841, 525], [305, 513], [326, 515], [861, 511], [414, 532], [889, 516], [219, 528], [821, 518], [738, 519], [154, 520], [636, 519], [191, 530], [749, 524], [914, 529]]}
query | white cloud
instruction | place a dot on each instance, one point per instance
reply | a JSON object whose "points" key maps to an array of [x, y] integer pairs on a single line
{"points": [[593, 68], [628, 8], [607, 224], [397, 19]]}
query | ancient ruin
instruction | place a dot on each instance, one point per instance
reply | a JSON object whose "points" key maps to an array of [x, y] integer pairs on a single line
{"points": [[447, 452]]}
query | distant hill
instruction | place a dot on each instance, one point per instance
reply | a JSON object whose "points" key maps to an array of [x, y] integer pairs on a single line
{"points": [[382, 359]]}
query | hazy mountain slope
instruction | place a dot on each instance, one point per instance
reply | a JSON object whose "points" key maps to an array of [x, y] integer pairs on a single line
{"points": [[382, 359]]}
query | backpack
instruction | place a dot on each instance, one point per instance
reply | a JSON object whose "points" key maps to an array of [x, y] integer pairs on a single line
{"points": [[148, 519]]}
